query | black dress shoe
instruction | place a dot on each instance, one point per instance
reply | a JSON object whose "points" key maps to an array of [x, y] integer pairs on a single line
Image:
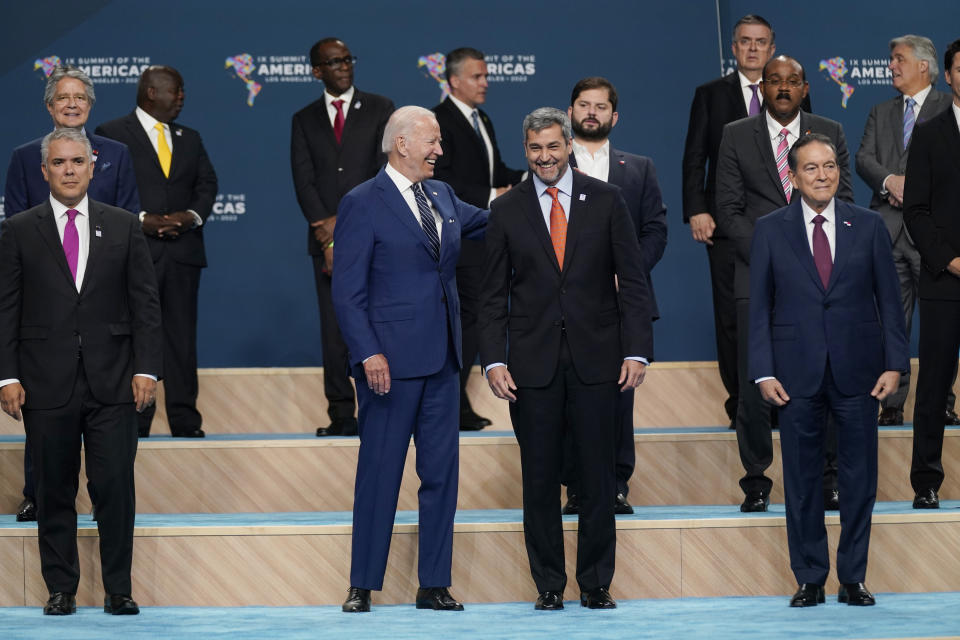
{"points": [[118, 604], [339, 427], [572, 507], [890, 417], [60, 604], [598, 598], [469, 421], [437, 598], [856, 594], [808, 595], [189, 433], [950, 418], [27, 511], [620, 505], [924, 499], [755, 502], [549, 601], [358, 601], [831, 500]]}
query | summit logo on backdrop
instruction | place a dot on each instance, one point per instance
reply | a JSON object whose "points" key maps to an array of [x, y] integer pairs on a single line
{"points": [[501, 67], [257, 71], [100, 69]]}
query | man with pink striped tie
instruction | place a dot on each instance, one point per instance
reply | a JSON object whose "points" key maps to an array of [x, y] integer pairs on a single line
{"points": [[752, 181]]}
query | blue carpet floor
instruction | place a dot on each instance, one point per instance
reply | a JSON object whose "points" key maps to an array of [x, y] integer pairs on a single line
{"points": [[769, 618]]}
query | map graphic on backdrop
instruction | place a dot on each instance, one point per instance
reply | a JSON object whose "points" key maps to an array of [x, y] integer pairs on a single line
{"points": [[837, 68], [48, 64], [436, 64], [243, 68]]}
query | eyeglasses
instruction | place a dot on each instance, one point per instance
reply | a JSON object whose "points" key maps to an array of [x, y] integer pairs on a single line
{"points": [[80, 98], [336, 63], [793, 82]]}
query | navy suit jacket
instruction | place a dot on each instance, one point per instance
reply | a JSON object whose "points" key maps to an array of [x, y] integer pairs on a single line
{"points": [[113, 183], [390, 294], [637, 178], [797, 326]]}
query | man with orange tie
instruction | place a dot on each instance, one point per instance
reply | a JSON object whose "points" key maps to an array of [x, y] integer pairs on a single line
{"points": [[177, 186]]}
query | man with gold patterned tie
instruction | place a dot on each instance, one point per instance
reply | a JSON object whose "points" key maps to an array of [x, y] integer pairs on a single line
{"points": [[177, 186]]}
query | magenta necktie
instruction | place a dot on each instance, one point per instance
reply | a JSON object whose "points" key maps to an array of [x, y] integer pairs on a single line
{"points": [[821, 250], [782, 150], [754, 101], [71, 242], [338, 120]]}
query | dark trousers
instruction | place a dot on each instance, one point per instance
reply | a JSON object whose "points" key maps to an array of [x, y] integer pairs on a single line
{"points": [[179, 285], [803, 438], [109, 434], [539, 417], [427, 408], [754, 434], [939, 342], [336, 361], [626, 455], [469, 277], [722, 256]]}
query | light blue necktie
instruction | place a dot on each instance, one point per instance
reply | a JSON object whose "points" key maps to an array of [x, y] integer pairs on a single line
{"points": [[909, 119]]}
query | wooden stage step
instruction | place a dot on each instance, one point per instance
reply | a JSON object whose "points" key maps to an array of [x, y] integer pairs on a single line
{"points": [[286, 472], [303, 558]]}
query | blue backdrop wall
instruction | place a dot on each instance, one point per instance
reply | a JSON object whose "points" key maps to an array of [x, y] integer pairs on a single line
{"points": [[258, 305]]}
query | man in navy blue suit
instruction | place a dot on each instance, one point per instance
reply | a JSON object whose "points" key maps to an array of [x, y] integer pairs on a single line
{"points": [[396, 246], [826, 335], [593, 113], [69, 97]]}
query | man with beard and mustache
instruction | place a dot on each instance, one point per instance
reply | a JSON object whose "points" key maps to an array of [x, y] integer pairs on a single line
{"points": [[177, 186], [559, 341], [752, 181], [593, 113]]}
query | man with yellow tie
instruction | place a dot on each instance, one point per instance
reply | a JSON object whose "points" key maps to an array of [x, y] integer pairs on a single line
{"points": [[177, 186]]}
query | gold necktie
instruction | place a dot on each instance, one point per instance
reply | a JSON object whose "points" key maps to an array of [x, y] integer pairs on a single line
{"points": [[163, 150]]}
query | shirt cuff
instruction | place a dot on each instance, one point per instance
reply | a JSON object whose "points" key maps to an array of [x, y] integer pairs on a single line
{"points": [[145, 375], [884, 192], [197, 220], [764, 379], [638, 359], [4, 383], [492, 366]]}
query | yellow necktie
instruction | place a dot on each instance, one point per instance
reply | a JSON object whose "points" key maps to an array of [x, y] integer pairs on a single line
{"points": [[163, 150]]}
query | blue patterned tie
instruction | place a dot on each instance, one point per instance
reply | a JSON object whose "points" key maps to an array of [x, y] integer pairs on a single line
{"points": [[909, 119], [427, 220]]}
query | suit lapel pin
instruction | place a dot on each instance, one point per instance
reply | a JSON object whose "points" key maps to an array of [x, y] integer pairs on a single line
{"points": [[179, 132], [450, 220], [622, 162], [96, 154], [846, 223], [104, 166], [583, 197], [356, 105], [98, 231], [434, 192]]}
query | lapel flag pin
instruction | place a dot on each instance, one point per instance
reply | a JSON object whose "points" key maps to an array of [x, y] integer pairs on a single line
{"points": [[356, 105], [434, 192], [179, 132], [846, 223], [98, 231], [450, 220], [622, 162], [583, 197]]}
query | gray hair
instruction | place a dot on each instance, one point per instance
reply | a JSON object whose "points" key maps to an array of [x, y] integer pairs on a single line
{"points": [[923, 49], [58, 74], [74, 135], [544, 117], [402, 123]]}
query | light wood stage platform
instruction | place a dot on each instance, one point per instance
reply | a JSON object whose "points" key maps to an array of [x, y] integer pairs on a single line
{"points": [[303, 559]]}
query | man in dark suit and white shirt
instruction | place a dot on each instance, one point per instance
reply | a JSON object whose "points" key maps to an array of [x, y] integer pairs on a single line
{"points": [[79, 354], [751, 182], [177, 186], [826, 335], [931, 201], [716, 103], [471, 164], [593, 113], [69, 96], [882, 162], [556, 244], [334, 146], [395, 293]]}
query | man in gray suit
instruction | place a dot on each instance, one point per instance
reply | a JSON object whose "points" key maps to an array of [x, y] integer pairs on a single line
{"points": [[882, 163], [752, 181]]}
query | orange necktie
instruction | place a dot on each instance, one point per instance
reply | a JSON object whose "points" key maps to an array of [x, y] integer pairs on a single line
{"points": [[558, 226]]}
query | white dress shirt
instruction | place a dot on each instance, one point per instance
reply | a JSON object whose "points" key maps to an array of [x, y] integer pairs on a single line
{"points": [[346, 96], [748, 92], [406, 190], [774, 128], [468, 112], [596, 165], [149, 124], [956, 113]]}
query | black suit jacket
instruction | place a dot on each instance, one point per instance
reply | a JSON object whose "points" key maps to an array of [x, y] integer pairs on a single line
{"points": [[44, 320], [324, 171], [931, 203], [192, 183], [637, 178], [715, 104], [748, 185], [528, 301]]}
